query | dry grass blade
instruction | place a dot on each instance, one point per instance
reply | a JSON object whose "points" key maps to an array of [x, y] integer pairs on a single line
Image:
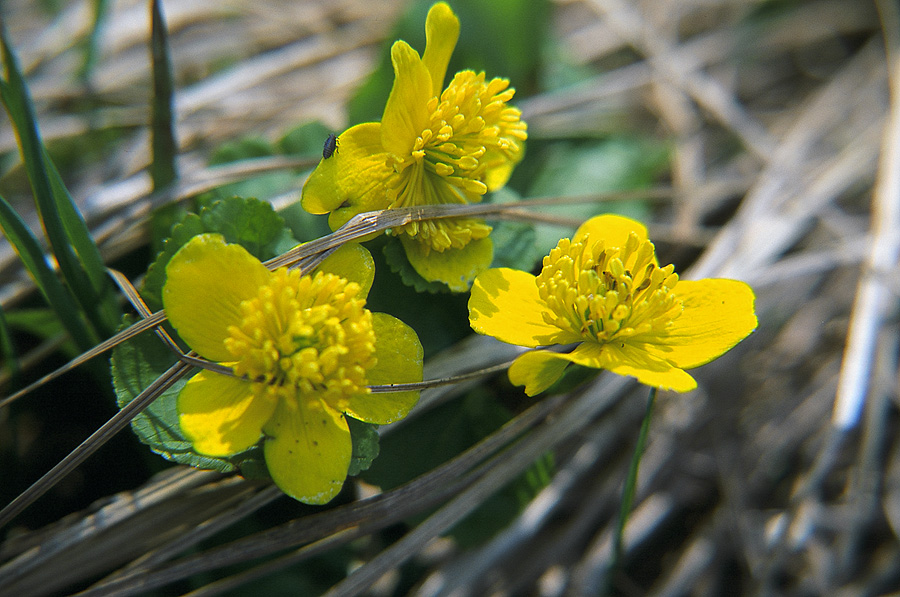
{"points": [[781, 119], [118, 422], [372, 514], [875, 296]]}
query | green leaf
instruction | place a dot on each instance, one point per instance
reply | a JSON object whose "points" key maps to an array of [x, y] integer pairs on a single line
{"points": [[135, 365], [514, 242], [365, 445], [435, 317], [572, 169], [151, 290], [57, 296], [92, 43], [268, 184], [245, 148], [514, 246], [500, 38], [250, 223], [306, 139], [163, 168]]}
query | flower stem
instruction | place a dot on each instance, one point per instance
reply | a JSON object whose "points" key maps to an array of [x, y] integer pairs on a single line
{"points": [[628, 492]]}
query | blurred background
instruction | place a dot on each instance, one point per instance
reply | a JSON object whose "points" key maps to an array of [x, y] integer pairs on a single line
{"points": [[764, 138]]}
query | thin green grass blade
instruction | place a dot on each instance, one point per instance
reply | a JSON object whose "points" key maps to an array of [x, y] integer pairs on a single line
{"points": [[77, 255], [628, 492], [80, 239], [92, 43], [56, 295], [163, 169]]}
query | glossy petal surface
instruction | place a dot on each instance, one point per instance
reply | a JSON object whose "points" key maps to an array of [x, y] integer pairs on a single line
{"points": [[454, 267], [717, 315], [605, 291], [399, 355], [538, 370], [352, 262], [406, 112], [505, 304], [221, 415], [441, 34], [611, 229], [207, 280], [352, 180], [308, 450]]}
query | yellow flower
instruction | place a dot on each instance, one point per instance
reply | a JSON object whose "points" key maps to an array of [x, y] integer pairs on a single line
{"points": [[604, 291], [303, 348], [431, 147]]}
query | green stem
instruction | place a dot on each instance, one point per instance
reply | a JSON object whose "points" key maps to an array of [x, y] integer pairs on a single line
{"points": [[628, 493]]}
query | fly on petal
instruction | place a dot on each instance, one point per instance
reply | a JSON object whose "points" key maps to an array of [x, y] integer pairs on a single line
{"points": [[331, 145]]}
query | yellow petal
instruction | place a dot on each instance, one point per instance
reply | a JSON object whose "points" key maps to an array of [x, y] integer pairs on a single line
{"points": [[308, 449], [454, 267], [353, 262], [497, 176], [221, 415], [406, 112], [717, 315], [206, 280], [633, 361], [353, 177], [505, 304], [441, 34], [612, 229], [537, 370], [399, 355]]}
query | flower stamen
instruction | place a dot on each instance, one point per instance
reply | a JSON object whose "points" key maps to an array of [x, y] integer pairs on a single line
{"points": [[304, 334], [471, 131], [604, 293]]}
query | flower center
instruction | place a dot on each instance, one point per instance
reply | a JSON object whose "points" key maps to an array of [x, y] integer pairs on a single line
{"points": [[305, 334], [604, 293], [469, 145]]}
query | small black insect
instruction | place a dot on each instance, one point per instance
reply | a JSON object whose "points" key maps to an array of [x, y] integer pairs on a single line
{"points": [[331, 145]]}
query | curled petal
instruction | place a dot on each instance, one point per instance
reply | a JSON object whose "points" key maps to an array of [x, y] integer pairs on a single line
{"points": [[308, 449], [538, 370], [206, 280], [441, 35], [634, 361], [222, 415], [352, 180], [406, 113]]}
